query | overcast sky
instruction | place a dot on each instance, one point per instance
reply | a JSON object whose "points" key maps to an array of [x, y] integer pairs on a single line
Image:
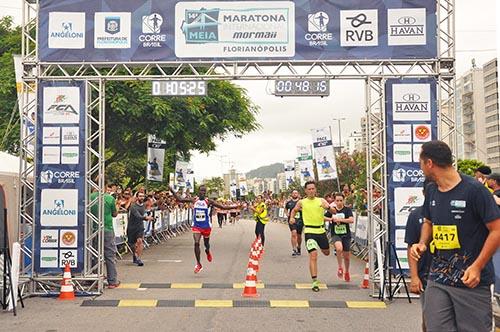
{"points": [[286, 122]]}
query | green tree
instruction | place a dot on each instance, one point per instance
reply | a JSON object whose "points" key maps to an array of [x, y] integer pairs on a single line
{"points": [[215, 186], [186, 123], [467, 166], [10, 44]]}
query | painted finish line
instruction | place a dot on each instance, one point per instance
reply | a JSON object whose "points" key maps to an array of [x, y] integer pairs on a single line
{"points": [[234, 304], [144, 286]]}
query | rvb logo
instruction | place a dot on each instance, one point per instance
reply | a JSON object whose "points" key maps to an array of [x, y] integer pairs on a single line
{"points": [[359, 28], [406, 26]]}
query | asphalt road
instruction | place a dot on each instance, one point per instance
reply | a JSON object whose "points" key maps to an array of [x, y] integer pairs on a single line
{"points": [[165, 294]]}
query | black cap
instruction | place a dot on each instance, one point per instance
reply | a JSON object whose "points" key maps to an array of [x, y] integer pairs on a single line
{"points": [[486, 170], [494, 176]]}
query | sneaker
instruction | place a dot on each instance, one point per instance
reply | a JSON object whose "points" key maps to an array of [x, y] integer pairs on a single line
{"points": [[347, 277], [340, 273], [139, 262], [134, 259], [209, 256], [115, 285], [298, 252], [315, 286], [198, 268]]}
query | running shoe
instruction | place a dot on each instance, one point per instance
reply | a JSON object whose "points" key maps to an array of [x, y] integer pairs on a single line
{"points": [[209, 255], [340, 273], [298, 252], [315, 286], [198, 268], [134, 259], [139, 262], [294, 253], [115, 285], [347, 277]]}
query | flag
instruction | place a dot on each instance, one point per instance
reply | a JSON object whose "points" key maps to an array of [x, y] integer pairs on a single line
{"points": [[324, 154], [156, 158]]}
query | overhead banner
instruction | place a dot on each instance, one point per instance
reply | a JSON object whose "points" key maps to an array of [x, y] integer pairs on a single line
{"points": [[306, 167], [289, 172], [324, 154], [172, 30], [60, 177], [242, 184], [411, 108], [156, 158]]}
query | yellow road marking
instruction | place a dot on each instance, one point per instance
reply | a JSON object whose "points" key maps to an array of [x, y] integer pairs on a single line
{"points": [[137, 303], [130, 286], [242, 285], [309, 286], [213, 304], [289, 304], [366, 304], [186, 285]]}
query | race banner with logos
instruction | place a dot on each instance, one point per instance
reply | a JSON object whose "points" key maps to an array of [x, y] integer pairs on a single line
{"points": [[156, 158], [242, 183], [306, 167], [411, 121], [172, 30], [289, 172], [324, 154], [60, 177]]}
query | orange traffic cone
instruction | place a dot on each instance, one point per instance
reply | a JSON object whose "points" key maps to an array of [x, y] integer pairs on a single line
{"points": [[67, 291], [366, 279], [253, 262], [250, 284]]}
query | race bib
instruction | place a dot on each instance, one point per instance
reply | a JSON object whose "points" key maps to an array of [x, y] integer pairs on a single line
{"points": [[340, 229], [445, 237], [200, 216]]}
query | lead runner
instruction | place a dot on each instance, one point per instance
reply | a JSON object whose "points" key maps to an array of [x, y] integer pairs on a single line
{"points": [[202, 226]]}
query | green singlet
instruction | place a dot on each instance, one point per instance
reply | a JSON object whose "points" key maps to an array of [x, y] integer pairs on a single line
{"points": [[313, 216]]}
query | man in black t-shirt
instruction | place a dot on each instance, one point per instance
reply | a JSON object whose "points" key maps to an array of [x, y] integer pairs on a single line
{"points": [[419, 270], [135, 228], [295, 229], [494, 183], [463, 223], [341, 235]]}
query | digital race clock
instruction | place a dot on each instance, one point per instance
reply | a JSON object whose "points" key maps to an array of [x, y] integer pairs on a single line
{"points": [[179, 88], [302, 87]]}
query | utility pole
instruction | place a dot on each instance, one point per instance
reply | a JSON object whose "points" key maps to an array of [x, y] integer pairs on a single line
{"points": [[340, 132]]}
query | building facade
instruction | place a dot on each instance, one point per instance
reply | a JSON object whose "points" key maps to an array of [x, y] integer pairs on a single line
{"points": [[491, 114]]}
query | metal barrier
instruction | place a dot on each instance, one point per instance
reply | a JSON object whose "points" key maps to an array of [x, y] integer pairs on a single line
{"points": [[165, 225]]}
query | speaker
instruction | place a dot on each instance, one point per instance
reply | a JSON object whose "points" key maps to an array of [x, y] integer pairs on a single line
{"points": [[3, 221]]}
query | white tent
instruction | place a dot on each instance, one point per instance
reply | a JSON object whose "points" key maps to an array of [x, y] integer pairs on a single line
{"points": [[9, 181]]}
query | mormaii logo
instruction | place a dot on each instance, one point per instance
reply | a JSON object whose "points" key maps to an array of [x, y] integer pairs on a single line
{"points": [[66, 30], [411, 102]]}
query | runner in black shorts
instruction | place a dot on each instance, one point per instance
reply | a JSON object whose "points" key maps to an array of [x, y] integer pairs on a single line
{"points": [[296, 228], [341, 235], [313, 211]]}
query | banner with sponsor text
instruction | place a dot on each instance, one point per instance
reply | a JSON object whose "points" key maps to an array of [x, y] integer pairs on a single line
{"points": [[411, 110], [324, 154], [60, 177], [306, 167], [172, 30]]}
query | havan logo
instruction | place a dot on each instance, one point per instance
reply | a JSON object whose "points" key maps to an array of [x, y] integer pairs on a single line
{"points": [[411, 102], [406, 26]]}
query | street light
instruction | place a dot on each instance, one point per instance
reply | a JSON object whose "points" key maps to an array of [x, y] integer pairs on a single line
{"points": [[340, 133]]}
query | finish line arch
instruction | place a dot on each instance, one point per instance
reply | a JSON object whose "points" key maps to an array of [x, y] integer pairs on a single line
{"points": [[304, 46]]}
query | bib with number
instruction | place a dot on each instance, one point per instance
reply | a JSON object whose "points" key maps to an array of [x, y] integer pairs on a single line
{"points": [[340, 229], [445, 237]]}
